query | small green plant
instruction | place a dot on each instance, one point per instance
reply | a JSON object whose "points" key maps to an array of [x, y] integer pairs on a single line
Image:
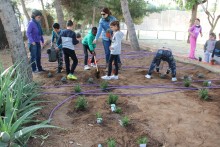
{"points": [[112, 99], [187, 83], [203, 94], [206, 83], [111, 142], [104, 85], [98, 115], [81, 103], [118, 110], [77, 88], [142, 140], [125, 121]]}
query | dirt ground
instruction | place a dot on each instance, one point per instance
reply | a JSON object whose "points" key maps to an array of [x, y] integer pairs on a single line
{"points": [[170, 119]]}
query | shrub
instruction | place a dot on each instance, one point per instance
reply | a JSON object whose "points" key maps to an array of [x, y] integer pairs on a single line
{"points": [[125, 121], [104, 85], [142, 140], [203, 94], [111, 142], [112, 99], [98, 115], [81, 103], [77, 88], [187, 83], [118, 110]]}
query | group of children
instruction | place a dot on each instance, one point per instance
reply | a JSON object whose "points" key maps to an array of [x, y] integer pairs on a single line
{"points": [[66, 39]]}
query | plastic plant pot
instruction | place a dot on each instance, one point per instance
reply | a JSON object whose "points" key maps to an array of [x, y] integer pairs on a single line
{"points": [[113, 107], [99, 120], [209, 83], [143, 145]]}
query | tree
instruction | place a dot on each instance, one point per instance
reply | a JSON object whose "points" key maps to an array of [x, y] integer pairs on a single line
{"points": [[13, 34], [130, 25], [45, 17], [59, 11], [212, 19], [25, 10]]}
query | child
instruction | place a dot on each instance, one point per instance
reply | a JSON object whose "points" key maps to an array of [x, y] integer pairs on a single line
{"points": [[216, 51], [164, 54], [68, 40], [194, 33], [89, 46], [209, 47], [115, 49], [55, 35]]}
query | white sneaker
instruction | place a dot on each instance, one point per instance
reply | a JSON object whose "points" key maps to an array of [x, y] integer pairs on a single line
{"points": [[93, 65], [114, 77], [106, 77], [148, 76], [174, 79], [86, 67]]}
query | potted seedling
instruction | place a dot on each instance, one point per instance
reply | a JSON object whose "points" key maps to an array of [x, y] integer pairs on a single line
{"points": [[90, 81], [77, 88], [142, 142], [111, 142], [203, 94], [125, 121], [112, 99], [104, 85], [99, 118], [63, 79], [81, 103], [187, 83], [212, 62]]}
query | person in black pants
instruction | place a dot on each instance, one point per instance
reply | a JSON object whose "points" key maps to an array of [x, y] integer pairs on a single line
{"points": [[68, 40], [163, 54]]}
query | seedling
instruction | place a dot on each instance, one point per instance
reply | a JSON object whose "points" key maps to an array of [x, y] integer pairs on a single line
{"points": [[112, 99], [104, 85], [142, 140], [49, 75], [77, 88], [187, 83], [206, 83], [81, 103], [125, 121], [111, 142], [118, 110], [90, 81], [200, 75], [99, 118], [203, 94]]}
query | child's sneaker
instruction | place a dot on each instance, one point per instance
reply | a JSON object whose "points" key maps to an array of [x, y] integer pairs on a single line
{"points": [[71, 77], [114, 77], [174, 79], [106, 77], [86, 67], [148, 76], [93, 65]]}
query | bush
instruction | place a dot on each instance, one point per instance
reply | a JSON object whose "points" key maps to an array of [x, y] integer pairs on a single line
{"points": [[112, 99], [203, 94], [81, 103], [118, 110], [187, 83], [111, 142], [125, 121], [142, 140], [77, 88], [98, 115], [104, 85]]}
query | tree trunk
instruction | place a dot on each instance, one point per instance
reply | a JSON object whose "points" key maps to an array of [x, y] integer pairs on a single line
{"points": [[193, 17], [130, 25], [25, 10], [45, 18], [93, 17], [15, 40], [59, 11]]}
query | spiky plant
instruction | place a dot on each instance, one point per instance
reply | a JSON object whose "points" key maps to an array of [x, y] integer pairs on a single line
{"points": [[81, 103], [203, 94], [112, 99]]}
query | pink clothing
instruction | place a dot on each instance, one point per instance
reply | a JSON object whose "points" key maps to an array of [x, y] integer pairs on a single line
{"points": [[195, 30]]}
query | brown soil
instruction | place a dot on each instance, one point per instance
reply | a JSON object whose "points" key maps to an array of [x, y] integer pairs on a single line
{"points": [[171, 119]]}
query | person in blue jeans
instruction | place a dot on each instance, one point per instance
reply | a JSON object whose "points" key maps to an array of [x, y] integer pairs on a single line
{"points": [[35, 38], [106, 32]]}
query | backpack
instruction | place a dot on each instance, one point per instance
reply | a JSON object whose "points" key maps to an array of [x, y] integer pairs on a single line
{"points": [[52, 54]]}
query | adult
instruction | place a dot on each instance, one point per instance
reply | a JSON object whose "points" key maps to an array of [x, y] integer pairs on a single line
{"points": [[104, 29], [35, 40], [216, 51], [194, 33]]}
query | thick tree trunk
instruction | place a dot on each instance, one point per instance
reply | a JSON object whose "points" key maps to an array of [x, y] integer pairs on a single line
{"points": [[59, 11], [45, 18], [15, 40], [93, 17], [25, 10], [193, 17], [130, 25]]}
